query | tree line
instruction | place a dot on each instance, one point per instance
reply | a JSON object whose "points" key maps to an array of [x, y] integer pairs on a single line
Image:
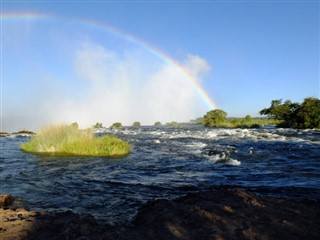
{"points": [[295, 115], [285, 114]]}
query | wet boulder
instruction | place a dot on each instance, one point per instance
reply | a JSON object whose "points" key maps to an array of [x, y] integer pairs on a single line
{"points": [[218, 151]]}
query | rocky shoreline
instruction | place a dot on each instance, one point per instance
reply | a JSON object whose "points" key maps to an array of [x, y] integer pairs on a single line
{"points": [[221, 213], [22, 133]]}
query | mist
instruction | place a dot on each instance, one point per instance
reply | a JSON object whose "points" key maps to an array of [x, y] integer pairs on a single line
{"points": [[117, 88], [107, 86]]}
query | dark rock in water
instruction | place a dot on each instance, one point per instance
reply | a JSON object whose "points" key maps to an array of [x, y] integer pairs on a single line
{"points": [[24, 132], [222, 152], [221, 213], [6, 199], [210, 152], [4, 134]]}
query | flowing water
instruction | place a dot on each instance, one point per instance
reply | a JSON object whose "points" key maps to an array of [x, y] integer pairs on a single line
{"points": [[165, 163]]}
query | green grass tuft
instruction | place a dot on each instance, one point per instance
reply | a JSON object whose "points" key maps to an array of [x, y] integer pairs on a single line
{"points": [[69, 140]]}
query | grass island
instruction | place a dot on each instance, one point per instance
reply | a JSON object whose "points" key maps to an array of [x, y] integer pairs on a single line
{"points": [[68, 140]]}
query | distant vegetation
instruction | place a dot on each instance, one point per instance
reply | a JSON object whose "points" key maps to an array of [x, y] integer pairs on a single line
{"points": [[287, 114], [218, 118], [136, 124], [172, 124], [69, 140], [116, 124], [157, 123], [98, 125], [295, 115], [215, 118], [75, 124]]}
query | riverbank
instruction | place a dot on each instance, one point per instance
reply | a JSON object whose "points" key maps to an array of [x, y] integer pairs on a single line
{"points": [[221, 213]]}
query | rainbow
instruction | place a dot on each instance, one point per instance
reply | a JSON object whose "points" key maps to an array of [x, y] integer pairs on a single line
{"points": [[111, 29]]}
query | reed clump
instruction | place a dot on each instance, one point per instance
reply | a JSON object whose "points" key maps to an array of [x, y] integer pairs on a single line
{"points": [[69, 140]]}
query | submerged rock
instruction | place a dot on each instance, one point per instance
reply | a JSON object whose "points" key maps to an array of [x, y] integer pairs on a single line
{"points": [[221, 213], [219, 152]]}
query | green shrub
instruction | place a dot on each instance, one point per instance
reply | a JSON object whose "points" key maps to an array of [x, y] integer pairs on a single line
{"points": [[217, 118], [75, 124], [98, 125], [116, 124], [136, 124], [248, 118], [225, 124], [157, 123], [172, 124], [69, 140], [214, 118]]}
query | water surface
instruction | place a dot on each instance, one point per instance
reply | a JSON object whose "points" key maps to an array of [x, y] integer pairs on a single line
{"points": [[165, 163]]}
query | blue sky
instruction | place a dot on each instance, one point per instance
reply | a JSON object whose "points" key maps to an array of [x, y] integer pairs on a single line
{"points": [[256, 51]]}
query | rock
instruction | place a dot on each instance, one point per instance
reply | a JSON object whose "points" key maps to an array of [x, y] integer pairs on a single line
{"points": [[23, 224], [4, 134], [26, 132], [219, 151], [227, 214], [16, 224], [6, 199], [221, 213]]}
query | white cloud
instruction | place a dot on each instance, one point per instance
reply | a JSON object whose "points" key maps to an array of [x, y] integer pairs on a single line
{"points": [[196, 66]]}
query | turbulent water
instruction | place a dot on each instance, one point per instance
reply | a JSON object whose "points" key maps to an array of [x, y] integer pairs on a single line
{"points": [[165, 163]]}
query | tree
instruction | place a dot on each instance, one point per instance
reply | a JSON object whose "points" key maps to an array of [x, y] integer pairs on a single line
{"points": [[75, 125], [271, 111], [295, 115], [172, 124], [280, 111], [248, 118], [136, 124], [116, 124], [214, 117], [308, 114], [157, 123], [98, 125]]}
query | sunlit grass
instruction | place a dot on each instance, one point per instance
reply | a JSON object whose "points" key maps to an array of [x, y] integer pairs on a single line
{"points": [[69, 140]]}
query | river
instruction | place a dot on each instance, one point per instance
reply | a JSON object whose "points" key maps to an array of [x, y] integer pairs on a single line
{"points": [[165, 162]]}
